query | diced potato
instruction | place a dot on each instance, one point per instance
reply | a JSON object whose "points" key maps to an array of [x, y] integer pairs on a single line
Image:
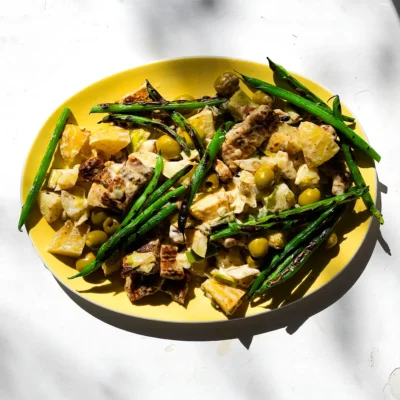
{"points": [[240, 105], [211, 206], [74, 204], [226, 297], [149, 146], [69, 240], [317, 144], [94, 196], [252, 164], [50, 206], [221, 277], [110, 139], [286, 138], [62, 179], [182, 260], [175, 235], [282, 198], [139, 94], [242, 274], [307, 177], [277, 240], [224, 219], [73, 139], [113, 264], [145, 262], [204, 123], [247, 188], [147, 158], [281, 163], [170, 168], [236, 203], [194, 155], [199, 243]]}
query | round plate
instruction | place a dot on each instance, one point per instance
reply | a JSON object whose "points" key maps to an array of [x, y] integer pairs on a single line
{"points": [[196, 77]]}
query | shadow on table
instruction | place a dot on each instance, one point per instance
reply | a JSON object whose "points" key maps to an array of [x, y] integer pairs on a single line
{"points": [[291, 316], [396, 4]]}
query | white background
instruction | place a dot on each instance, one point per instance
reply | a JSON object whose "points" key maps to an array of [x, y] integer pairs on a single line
{"points": [[50, 348]]}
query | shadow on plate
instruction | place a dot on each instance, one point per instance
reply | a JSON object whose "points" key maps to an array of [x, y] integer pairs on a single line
{"points": [[290, 315]]}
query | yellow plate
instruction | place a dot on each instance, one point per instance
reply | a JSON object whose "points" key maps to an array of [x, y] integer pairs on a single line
{"points": [[194, 76]]}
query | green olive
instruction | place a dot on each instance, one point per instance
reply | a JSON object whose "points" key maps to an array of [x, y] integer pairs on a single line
{"points": [[211, 184], [309, 196], [226, 84], [98, 217], [168, 147], [187, 112], [185, 97], [84, 261], [260, 98], [95, 239], [188, 140], [258, 247], [110, 225], [331, 241], [264, 177], [253, 263]]}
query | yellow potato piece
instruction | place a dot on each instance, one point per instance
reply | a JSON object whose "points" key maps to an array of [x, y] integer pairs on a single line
{"points": [[210, 206], [204, 123], [72, 140], [226, 297], [50, 206], [69, 240], [110, 139], [62, 179], [286, 138], [199, 244], [74, 204], [95, 194], [317, 144]]}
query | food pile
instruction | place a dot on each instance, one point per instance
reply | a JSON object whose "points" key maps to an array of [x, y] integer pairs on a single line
{"points": [[236, 190]]}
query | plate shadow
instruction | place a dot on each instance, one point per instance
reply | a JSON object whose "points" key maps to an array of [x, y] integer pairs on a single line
{"points": [[290, 316]]}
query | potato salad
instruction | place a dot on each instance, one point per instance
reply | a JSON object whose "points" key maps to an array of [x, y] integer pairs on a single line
{"points": [[232, 193]]}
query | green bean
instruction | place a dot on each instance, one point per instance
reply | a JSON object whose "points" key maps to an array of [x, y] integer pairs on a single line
{"points": [[300, 89], [149, 122], [179, 119], [154, 94], [354, 170], [139, 220], [167, 185], [295, 261], [44, 166], [315, 110], [351, 195], [151, 223], [141, 106], [236, 229], [114, 242], [200, 173], [145, 195], [191, 130], [128, 241], [298, 240]]}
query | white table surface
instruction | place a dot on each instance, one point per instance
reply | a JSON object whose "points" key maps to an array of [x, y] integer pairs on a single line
{"points": [[51, 348]]}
